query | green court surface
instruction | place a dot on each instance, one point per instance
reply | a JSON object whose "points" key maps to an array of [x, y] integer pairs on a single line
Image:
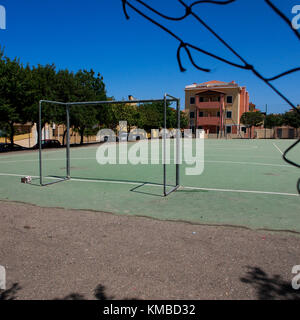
{"points": [[244, 183]]}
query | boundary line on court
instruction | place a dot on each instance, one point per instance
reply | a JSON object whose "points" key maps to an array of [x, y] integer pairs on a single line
{"points": [[277, 147], [205, 161], [157, 185]]}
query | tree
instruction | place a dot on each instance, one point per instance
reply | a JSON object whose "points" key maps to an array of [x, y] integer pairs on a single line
{"points": [[292, 118], [107, 117], [273, 120], [252, 119], [13, 93], [184, 122], [151, 116], [21, 89], [88, 87], [41, 81]]}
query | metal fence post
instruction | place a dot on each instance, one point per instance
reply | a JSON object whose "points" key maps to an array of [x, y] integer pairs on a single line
{"points": [[40, 142], [164, 145], [68, 141], [178, 138]]}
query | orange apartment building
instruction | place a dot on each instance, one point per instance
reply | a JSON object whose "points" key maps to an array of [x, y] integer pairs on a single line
{"points": [[216, 107]]}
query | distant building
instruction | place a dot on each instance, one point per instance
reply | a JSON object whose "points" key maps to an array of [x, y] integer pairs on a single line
{"points": [[216, 106]]}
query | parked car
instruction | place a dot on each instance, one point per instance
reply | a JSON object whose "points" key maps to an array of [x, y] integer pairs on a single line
{"points": [[48, 143], [5, 147], [137, 135], [123, 136], [108, 138]]}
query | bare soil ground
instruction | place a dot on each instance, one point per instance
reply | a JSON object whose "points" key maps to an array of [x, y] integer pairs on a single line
{"points": [[52, 253]]}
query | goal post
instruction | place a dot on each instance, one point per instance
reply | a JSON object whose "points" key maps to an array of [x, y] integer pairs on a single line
{"points": [[67, 177], [178, 137], [167, 98]]}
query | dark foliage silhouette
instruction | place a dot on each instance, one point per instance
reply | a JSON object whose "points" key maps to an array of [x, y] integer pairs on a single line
{"points": [[270, 287], [99, 294], [11, 293]]}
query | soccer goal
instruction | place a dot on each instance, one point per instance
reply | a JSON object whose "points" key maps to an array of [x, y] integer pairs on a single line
{"points": [[167, 99]]}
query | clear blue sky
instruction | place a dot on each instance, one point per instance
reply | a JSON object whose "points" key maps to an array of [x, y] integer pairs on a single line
{"points": [[135, 57]]}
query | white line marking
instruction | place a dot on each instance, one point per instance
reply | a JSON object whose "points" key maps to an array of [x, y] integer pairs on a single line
{"points": [[277, 148], [157, 185], [205, 161], [16, 175], [243, 191], [110, 181], [249, 163]]}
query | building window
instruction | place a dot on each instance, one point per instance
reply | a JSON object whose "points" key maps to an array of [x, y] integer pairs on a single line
{"points": [[192, 115], [200, 114], [228, 129], [228, 114], [229, 99], [201, 99], [218, 114], [244, 129], [192, 100]]}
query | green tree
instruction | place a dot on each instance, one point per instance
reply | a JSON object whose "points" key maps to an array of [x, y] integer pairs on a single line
{"points": [[151, 116], [13, 94], [88, 87], [252, 119], [107, 117], [273, 120], [184, 122], [21, 89], [41, 81], [292, 118]]}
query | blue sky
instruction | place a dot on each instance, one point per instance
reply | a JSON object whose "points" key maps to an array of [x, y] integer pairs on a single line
{"points": [[135, 57]]}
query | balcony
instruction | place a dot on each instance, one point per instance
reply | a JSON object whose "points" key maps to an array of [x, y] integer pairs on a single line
{"points": [[208, 104], [209, 121]]}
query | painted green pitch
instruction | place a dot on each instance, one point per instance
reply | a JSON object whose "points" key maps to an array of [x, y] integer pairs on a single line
{"points": [[244, 183]]}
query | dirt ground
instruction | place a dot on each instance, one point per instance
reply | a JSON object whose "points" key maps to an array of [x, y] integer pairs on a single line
{"points": [[52, 253]]}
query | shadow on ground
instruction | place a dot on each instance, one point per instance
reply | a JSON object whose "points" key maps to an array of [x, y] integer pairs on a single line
{"points": [[99, 294], [11, 293], [266, 287], [269, 287]]}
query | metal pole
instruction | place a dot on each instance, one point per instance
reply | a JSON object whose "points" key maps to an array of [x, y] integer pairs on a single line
{"points": [[68, 141], [164, 144], [265, 122], [40, 142], [196, 119], [178, 144], [225, 128], [221, 121]]}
